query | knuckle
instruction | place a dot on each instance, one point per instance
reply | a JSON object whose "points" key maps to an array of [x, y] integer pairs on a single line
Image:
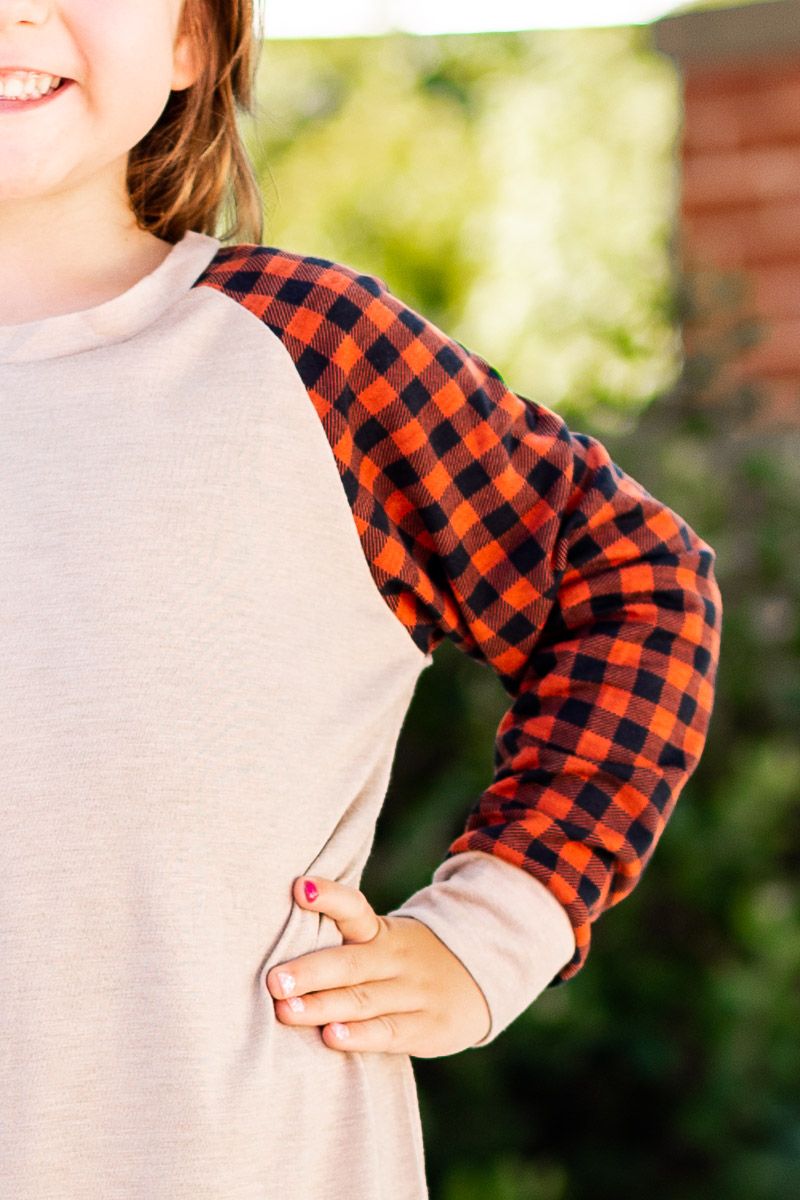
{"points": [[361, 997], [350, 961], [390, 1025]]}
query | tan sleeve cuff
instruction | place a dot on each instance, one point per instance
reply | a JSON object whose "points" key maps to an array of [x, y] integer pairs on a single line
{"points": [[508, 929]]}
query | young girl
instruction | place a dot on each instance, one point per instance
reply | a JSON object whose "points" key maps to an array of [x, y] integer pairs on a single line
{"points": [[245, 495]]}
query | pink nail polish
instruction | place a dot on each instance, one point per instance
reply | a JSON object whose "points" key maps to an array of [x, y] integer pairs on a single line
{"points": [[310, 890]]}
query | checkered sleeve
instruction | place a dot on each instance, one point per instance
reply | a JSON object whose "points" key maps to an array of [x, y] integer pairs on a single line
{"points": [[485, 519]]}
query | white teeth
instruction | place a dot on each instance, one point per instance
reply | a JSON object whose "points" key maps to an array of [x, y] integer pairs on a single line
{"points": [[27, 85]]}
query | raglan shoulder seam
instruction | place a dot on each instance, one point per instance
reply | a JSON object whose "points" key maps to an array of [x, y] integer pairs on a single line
{"points": [[285, 292], [419, 425]]}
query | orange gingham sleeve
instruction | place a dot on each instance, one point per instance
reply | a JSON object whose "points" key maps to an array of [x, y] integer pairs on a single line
{"points": [[486, 520]]}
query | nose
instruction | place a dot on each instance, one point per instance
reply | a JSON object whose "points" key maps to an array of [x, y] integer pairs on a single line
{"points": [[27, 12]]}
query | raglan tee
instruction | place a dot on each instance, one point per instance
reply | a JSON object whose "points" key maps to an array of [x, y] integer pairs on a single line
{"points": [[243, 503]]}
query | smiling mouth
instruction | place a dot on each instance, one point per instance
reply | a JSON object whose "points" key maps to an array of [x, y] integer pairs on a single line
{"points": [[24, 102]]}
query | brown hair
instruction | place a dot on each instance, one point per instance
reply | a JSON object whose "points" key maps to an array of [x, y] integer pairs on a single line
{"points": [[193, 164]]}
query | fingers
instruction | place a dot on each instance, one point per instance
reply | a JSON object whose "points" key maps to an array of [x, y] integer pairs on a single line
{"points": [[355, 991], [362, 1002], [364, 954], [393, 1032], [331, 967], [401, 990]]}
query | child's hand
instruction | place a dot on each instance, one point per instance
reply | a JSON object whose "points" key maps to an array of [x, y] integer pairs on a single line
{"points": [[393, 985]]}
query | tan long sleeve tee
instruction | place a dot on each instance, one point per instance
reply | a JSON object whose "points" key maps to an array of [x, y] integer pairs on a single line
{"points": [[242, 503]]}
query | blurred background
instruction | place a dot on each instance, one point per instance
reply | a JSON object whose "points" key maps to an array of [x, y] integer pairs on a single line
{"points": [[611, 217]]}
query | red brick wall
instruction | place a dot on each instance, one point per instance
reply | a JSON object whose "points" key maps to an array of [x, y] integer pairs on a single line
{"points": [[740, 206], [739, 219]]}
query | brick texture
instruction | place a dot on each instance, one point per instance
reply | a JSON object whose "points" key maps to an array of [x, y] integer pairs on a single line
{"points": [[740, 219]]}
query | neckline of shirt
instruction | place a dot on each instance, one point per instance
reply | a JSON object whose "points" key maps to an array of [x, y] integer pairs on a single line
{"points": [[116, 319]]}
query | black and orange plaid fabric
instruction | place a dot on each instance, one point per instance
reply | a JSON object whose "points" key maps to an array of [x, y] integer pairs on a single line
{"points": [[486, 520]]}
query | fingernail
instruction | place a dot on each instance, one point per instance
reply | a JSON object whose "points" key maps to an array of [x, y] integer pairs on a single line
{"points": [[339, 1031], [295, 1004], [310, 890], [286, 981]]}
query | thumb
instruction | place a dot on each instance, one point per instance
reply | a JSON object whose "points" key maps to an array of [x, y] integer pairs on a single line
{"points": [[347, 906]]}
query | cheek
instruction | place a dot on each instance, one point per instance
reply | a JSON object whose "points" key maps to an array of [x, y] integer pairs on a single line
{"points": [[129, 62], [130, 113], [125, 108]]}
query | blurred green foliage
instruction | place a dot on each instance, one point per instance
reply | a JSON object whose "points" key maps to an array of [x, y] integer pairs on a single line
{"points": [[519, 190], [429, 161]]}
